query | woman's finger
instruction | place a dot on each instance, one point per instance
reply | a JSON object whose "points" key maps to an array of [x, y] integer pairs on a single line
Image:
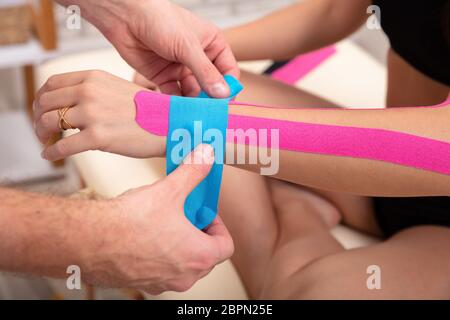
{"points": [[66, 80], [55, 99], [48, 124], [71, 78], [85, 140], [206, 73]]}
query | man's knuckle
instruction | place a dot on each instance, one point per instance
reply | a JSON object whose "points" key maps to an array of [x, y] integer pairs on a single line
{"points": [[182, 285], [229, 248], [203, 261]]}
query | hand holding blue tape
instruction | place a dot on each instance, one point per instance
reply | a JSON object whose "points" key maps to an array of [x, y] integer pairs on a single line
{"points": [[200, 207]]}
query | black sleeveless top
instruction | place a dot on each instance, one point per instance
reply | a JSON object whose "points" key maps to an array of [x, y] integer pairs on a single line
{"points": [[419, 31]]}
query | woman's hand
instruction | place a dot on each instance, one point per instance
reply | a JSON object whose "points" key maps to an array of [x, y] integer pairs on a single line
{"points": [[102, 107]]}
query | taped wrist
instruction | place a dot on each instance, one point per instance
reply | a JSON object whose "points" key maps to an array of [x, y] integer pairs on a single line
{"points": [[188, 122]]}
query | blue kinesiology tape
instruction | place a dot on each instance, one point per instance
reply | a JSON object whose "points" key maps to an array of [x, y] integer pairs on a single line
{"points": [[194, 121]]}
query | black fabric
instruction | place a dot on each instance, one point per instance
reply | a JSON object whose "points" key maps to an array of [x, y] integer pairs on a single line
{"points": [[275, 66], [419, 31], [396, 214]]}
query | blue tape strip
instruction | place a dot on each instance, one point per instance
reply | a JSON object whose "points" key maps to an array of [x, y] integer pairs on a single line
{"points": [[193, 121]]}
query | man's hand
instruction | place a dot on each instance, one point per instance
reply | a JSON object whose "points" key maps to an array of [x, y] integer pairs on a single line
{"points": [[139, 240], [149, 244], [165, 43]]}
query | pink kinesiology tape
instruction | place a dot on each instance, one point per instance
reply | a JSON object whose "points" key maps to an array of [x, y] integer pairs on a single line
{"points": [[344, 141]]}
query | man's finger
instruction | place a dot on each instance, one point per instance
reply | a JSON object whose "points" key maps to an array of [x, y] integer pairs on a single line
{"points": [[226, 63], [190, 86], [210, 79], [221, 239], [142, 81], [171, 88], [191, 172]]}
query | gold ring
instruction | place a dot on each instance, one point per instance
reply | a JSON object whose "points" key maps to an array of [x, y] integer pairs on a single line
{"points": [[63, 123]]}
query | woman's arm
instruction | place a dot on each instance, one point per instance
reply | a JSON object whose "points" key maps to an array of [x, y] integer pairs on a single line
{"points": [[389, 152], [318, 147], [302, 27], [396, 163]]}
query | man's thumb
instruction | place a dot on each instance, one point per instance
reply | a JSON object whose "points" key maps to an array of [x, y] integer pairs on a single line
{"points": [[195, 167], [206, 73]]}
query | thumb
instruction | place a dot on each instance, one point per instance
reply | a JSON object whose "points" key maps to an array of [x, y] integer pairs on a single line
{"points": [[210, 79], [195, 167]]}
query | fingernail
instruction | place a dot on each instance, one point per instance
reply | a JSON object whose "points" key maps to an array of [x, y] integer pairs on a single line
{"points": [[204, 154], [43, 155], [219, 90], [208, 154]]}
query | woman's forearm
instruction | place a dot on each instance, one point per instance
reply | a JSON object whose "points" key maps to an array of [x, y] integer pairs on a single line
{"points": [[394, 152], [375, 152], [302, 27], [387, 171]]}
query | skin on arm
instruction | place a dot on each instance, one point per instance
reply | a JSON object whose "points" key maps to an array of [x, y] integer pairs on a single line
{"points": [[42, 234], [299, 28], [331, 173]]}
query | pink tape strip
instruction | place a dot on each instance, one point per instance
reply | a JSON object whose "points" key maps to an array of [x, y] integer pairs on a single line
{"points": [[302, 65], [152, 112], [365, 143]]}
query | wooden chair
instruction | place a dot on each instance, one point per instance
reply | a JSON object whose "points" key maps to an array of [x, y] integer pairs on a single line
{"points": [[45, 30]]}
